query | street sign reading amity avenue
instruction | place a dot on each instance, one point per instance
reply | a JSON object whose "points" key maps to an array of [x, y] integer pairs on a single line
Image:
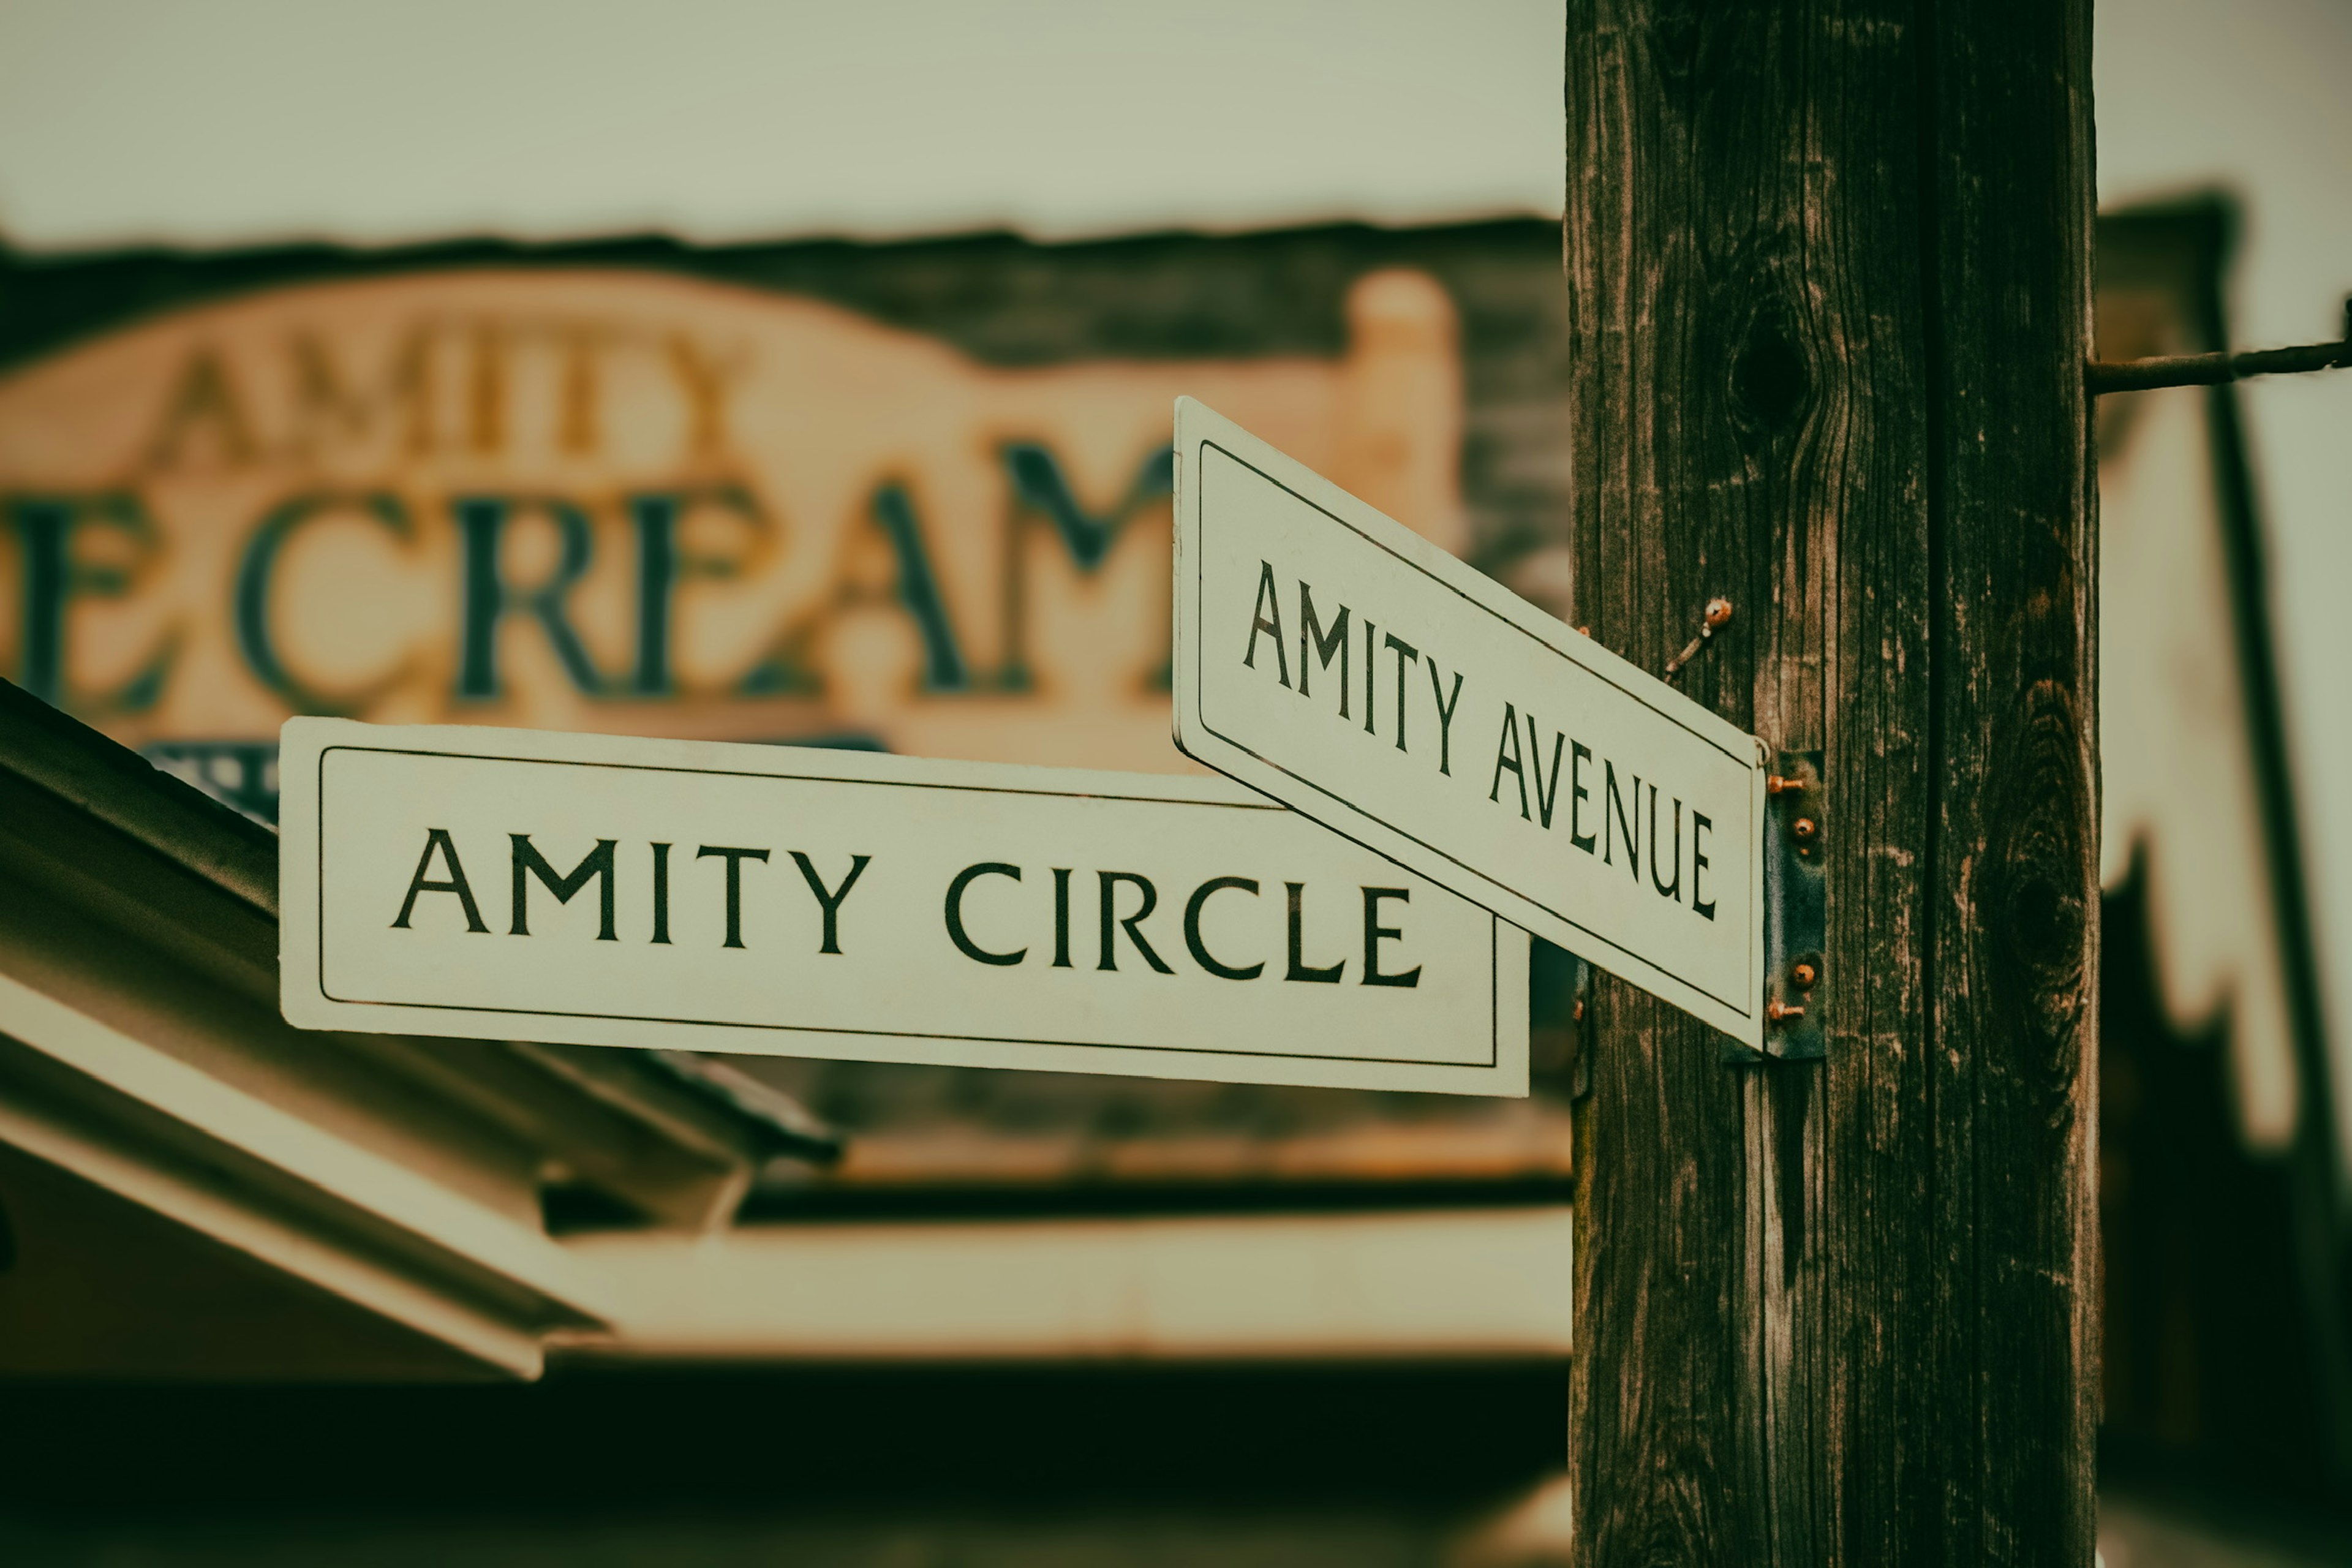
{"points": [[1340, 663], [519, 885]]}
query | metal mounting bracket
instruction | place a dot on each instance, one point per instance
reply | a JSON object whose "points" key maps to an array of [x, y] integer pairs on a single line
{"points": [[1796, 908]]}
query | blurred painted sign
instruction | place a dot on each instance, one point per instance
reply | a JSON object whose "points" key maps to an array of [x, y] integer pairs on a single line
{"points": [[605, 890], [638, 502]]}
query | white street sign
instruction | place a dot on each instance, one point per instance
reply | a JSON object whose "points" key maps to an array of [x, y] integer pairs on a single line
{"points": [[1344, 666], [514, 884]]}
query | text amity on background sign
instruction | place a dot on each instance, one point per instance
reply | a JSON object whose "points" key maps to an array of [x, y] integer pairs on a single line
{"points": [[1335, 661], [509, 884], [635, 502]]}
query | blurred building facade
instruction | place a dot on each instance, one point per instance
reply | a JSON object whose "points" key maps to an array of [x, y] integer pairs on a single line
{"points": [[915, 497], [2228, 1342], [909, 497]]}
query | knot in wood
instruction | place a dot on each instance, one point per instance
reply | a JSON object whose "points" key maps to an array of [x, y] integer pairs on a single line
{"points": [[2034, 894], [1771, 385], [1674, 39]]}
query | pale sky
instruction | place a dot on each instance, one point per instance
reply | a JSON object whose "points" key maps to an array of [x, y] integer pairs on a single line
{"points": [[238, 121]]}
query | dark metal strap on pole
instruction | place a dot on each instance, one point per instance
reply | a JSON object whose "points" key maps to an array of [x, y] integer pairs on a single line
{"points": [[2214, 369]]}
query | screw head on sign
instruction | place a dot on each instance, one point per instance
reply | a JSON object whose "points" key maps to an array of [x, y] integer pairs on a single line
{"points": [[1719, 614], [1803, 975]]}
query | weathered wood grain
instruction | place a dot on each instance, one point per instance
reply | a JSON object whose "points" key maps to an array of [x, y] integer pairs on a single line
{"points": [[1827, 268]]}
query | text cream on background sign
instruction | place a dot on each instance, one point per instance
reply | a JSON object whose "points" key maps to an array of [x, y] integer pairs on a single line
{"points": [[517, 884], [1333, 660]]}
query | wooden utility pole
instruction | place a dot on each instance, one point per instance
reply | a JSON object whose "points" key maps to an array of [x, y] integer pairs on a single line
{"points": [[1829, 271]]}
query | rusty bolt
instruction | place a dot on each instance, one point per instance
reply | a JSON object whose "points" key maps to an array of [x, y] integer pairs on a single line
{"points": [[1802, 974], [1804, 827], [1776, 784], [1584, 631], [1719, 614], [1779, 1012]]}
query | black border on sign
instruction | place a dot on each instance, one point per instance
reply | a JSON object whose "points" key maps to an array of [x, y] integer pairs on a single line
{"points": [[1200, 710], [1494, 935]]}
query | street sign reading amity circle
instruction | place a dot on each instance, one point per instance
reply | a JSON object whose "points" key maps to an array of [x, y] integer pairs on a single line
{"points": [[521, 885], [1335, 661]]}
